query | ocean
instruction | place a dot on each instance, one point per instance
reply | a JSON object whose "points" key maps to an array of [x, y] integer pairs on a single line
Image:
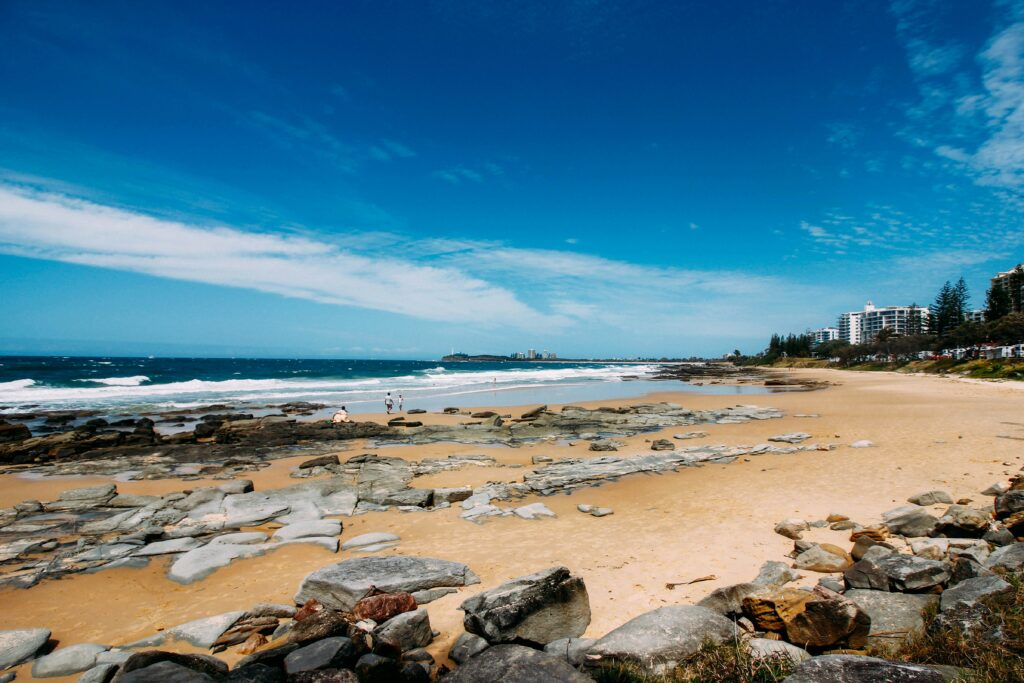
{"points": [[144, 385]]}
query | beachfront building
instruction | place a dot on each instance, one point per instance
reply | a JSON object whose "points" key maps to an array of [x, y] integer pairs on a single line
{"points": [[860, 327], [1005, 279], [975, 316], [825, 334]]}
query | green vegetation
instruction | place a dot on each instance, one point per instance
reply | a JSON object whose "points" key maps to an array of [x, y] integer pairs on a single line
{"points": [[998, 659], [725, 663]]}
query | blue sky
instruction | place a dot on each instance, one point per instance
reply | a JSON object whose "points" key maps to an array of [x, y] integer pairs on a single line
{"points": [[390, 179]]}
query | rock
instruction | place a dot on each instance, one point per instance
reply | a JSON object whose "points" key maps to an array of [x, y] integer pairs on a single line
{"points": [[774, 573], [322, 461], [791, 528], [175, 545], [125, 500], [864, 543], [407, 631], [662, 445], [341, 585], [239, 538], [261, 673], [857, 669], [329, 653], [533, 511], [205, 632], [100, 673], [82, 499], [19, 645], [573, 650], [894, 616], [67, 660], [863, 443], [971, 591], [960, 521], [816, 618], [999, 537], [537, 608], [792, 437], [416, 672], [375, 540], [516, 664], [273, 657], [380, 607], [431, 594], [728, 600], [823, 558], [910, 521], [373, 668], [319, 527], [909, 574], [659, 640], [930, 498], [13, 432], [601, 512], [763, 648], [452, 495], [165, 672], [201, 562], [536, 412], [997, 489], [1009, 558], [1009, 503], [603, 446], [467, 645]]}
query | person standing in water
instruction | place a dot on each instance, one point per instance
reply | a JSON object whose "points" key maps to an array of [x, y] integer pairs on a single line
{"points": [[388, 403]]}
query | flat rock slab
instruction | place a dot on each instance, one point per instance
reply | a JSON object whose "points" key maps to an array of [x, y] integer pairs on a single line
{"points": [[17, 645], [205, 632], [856, 669], [175, 545], [199, 563], [659, 640], [970, 591], [516, 664], [372, 538], [318, 527], [340, 586], [67, 660], [533, 511]]}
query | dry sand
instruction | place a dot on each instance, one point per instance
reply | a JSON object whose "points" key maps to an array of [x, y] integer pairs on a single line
{"points": [[930, 432]]}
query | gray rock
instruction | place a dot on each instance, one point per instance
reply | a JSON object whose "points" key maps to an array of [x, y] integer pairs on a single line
{"points": [[252, 509], [340, 585], [407, 631], [467, 645], [791, 528], [601, 512], [516, 664], [931, 498], [877, 552], [728, 600], [329, 653], [67, 660], [199, 563], [573, 649], [18, 645], [911, 521], [318, 527], [533, 511], [327, 542], [762, 648], [237, 486], [1009, 557], [537, 608], [894, 616], [269, 609], [908, 573], [204, 632], [997, 489], [82, 499], [452, 495], [113, 656], [862, 443], [817, 559], [165, 672], [970, 591], [960, 521], [659, 640], [432, 594], [857, 669], [999, 537], [175, 545], [662, 445], [240, 538], [101, 673], [792, 437], [125, 500], [774, 573], [373, 668]]}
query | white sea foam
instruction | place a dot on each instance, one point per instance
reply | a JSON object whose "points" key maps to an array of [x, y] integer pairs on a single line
{"points": [[127, 391], [134, 381]]}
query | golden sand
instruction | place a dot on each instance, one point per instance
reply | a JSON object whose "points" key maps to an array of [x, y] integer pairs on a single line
{"points": [[930, 432]]}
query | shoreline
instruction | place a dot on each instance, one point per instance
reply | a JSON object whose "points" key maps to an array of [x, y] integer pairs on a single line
{"points": [[665, 528]]}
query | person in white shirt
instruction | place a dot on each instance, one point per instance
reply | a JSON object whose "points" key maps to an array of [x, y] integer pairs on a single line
{"points": [[340, 416], [400, 402]]}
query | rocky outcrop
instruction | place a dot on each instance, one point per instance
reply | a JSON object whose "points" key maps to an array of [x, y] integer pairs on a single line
{"points": [[855, 669], [516, 664], [534, 609]]}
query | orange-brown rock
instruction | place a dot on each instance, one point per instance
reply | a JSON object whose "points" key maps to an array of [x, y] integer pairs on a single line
{"points": [[873, 532], [253, 643], [771, 612], [383, 606], [815, 619], [309, 607]]}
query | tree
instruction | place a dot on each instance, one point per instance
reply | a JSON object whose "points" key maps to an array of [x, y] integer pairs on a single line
{"points": [[939, 319], [960, 303], [1008, 330], [915, 324], [1014, 283], [997, 303]]}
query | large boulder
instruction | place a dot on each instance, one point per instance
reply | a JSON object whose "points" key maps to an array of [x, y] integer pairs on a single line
{"points": [[894, 616], [537, 609], [817, 618], [19, 645], [823, 558], [467, 645], [857, 669], [407, 631], [1008, 558], [728, 600], [67, 660], [660, 640], [898, 572], [1009, 503], [329, 653], [516, 664], [911, 521], [960, 521], [339, 586], [774, 573]]}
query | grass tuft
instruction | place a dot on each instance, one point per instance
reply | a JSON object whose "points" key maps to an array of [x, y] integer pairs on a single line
{"points": [[725, 663]]}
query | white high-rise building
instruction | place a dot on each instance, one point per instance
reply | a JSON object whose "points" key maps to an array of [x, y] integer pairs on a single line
{"points": [[860, 327], [825, 334]]}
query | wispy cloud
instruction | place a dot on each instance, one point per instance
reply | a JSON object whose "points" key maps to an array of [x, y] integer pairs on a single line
{"points": [[458, 175], [387, 150]]}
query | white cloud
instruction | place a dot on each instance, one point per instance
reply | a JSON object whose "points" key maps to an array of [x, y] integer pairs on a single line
{"points": [[61, 228]]}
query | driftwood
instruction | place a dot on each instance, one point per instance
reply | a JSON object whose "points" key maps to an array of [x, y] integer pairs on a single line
{"points": [[709, 577]]}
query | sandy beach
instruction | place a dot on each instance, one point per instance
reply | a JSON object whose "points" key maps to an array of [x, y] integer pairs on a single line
{"points": [[929, 432]]}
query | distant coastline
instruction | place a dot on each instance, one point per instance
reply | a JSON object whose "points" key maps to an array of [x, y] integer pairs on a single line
{"points": [[488, 358]]}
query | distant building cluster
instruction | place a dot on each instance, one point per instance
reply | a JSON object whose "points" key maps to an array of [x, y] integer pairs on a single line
{"points": [[858, 327], [533, 354]]}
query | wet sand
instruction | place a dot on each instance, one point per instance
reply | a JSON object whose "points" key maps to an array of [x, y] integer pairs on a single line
{"points": [[930, 432]]}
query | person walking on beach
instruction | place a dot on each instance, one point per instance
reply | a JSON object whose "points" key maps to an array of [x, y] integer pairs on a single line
{"points": [[400, 402], [388, 403]]}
